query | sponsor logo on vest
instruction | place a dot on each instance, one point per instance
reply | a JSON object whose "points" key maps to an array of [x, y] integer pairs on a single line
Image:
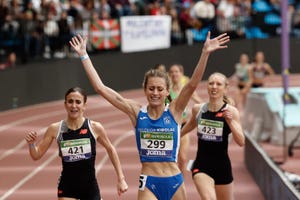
{"points": [[155, 153]]}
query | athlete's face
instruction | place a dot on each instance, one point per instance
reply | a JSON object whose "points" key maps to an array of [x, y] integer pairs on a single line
{"points": [[75, 105], [156, 91], [216, 86], [175, 74]]}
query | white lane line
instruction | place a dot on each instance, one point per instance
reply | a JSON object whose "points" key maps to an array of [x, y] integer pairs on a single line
{"points": [[115, 143], [28, 177]]}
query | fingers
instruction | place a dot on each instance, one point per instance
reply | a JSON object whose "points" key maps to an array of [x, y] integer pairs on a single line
{"points": [[77, 40], [31, 137], [208, 35], [122, 189]]}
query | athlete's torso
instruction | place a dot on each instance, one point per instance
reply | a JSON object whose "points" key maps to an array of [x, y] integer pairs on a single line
{"points": [[213, 132], [77, 149], [157, 140]]}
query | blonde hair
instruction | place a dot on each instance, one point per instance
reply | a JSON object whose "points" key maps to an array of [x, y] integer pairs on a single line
{"points": [[156, 73], [226, 99]]}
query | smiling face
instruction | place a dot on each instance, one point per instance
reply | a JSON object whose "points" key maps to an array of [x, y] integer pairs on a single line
{"points": [[217, 86], [75, 105], [156, 91]]}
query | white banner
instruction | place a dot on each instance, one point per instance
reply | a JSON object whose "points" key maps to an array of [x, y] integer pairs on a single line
{"points": [[141, 33]]}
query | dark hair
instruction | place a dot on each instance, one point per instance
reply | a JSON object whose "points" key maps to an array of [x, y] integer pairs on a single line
{"points": [[76, 89], [156, 73]]}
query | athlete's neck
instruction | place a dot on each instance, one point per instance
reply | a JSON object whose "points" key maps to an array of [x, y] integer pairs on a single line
{"points": [[75, 124], [216, 105], [155, 112]]}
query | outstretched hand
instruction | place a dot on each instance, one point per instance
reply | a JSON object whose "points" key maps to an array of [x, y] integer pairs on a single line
{"points": [[219, 42], [78, 43]]}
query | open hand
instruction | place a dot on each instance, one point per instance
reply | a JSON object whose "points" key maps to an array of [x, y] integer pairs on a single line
{"points": [[79, 44], [219, 42]]}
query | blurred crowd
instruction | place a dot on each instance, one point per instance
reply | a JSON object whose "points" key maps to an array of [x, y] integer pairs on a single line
{"points": [[42, 28]]}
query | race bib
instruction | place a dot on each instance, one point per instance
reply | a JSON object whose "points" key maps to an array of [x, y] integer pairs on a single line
{"points": [[210, 130], [158, 144], [75, 150], [142, 184]]}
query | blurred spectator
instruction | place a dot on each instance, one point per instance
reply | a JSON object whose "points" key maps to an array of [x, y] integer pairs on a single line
{"points": [[9, 62], [15, 9], [104, 9], [120, 8], [64, 35], [160, 67], [241, 79], [225, 12], [31, 35], [10, 28], [176, 32], [204, 11], [187, 22], [4, 10], [259, 70], [51, 31]]}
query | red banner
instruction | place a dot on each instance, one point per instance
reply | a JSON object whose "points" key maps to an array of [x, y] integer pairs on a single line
{"points": [[105, 34]]}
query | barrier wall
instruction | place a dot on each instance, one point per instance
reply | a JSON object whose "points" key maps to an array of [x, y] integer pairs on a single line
{"points": [[48, 80], [273, 121], [270, 179]]}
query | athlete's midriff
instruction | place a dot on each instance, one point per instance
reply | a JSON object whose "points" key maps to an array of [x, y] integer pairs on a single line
{"points": [[160, 168]]}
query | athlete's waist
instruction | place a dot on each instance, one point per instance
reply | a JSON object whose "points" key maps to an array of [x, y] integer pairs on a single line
{"points": [[160, 168]]}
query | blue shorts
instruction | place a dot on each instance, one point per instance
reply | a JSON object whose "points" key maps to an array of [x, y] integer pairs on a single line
{"points": [[162, 187]]}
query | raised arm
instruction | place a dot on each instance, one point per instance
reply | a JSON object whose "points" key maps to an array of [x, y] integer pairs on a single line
{"points": [[210, 46], [129, 107]]}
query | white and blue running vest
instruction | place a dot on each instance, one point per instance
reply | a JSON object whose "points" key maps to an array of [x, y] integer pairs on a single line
{"points": [[157, 140]]}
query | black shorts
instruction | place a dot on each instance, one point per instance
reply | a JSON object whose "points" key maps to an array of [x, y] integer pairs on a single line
{"points": [[83, 190], [241, 86], [221, 172], [257, 85]]}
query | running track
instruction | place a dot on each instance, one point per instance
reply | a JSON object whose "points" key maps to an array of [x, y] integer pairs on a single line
{"points": [[23, 178]]}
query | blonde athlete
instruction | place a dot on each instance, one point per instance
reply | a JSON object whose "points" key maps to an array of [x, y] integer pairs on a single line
{"points": [[215, 121], [76, 137], [157, 124]]}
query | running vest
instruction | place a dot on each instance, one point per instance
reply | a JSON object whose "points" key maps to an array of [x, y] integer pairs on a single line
{"points": [[259, 72], [157, 140], [212, 132], [242, 72], [77, 149]]}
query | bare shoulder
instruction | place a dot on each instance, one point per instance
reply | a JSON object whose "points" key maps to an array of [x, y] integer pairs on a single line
{"points": [[233, 109], [96, 126], [53, 129], [197, 107]]}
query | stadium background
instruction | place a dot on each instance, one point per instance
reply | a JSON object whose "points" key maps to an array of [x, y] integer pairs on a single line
{"points": [[43, 81]]}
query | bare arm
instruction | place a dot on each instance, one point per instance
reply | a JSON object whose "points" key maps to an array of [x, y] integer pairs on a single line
{"points": [[113, 156], [232, 117], [36, 151], [269, 69], [192, 121], [210, 46], [127, 106]]}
